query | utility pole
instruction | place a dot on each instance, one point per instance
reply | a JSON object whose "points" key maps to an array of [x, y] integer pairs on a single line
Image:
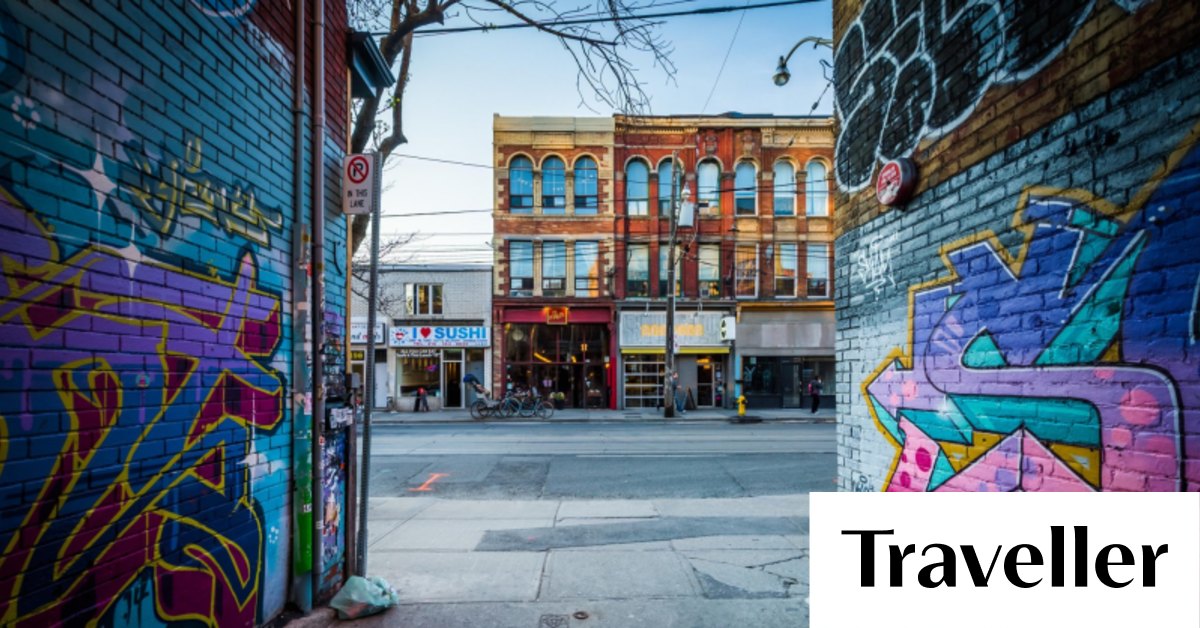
{"points": [[669, 389]]}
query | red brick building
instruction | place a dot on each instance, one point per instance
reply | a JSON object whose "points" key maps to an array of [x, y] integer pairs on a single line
{"points": [[581, 256]]}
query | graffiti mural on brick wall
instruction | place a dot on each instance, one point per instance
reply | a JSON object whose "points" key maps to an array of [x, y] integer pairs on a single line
{"points": [[135, 407], [907, 70], [1069, 363], [144, 341]]}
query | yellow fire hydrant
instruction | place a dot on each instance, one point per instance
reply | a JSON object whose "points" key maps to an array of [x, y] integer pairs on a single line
{"points": [[741, 401]]}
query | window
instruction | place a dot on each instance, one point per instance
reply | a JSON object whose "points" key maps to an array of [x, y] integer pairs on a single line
{"points": [[587, 269], [816, 190], [423, 299], [785, 269], [665, 188], [520, 186], [586, 186], [745, 192], [554, 186], [637, 188], [520, 269], [746, 267], [785, 189], [637, 271], [664, 266], [554, 269], [818, 270], [708, 193], [709, 271]]}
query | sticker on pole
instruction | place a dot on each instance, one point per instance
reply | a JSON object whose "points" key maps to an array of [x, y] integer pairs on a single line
{"points": [[360, 182]]}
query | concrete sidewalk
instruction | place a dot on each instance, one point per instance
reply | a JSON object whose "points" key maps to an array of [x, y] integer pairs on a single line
{"points": [[576, 415], [619, 563]]}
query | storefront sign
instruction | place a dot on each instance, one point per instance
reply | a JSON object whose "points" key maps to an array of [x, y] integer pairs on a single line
{"points": [[692, 329], [557, 315], [357, 355], [358, 331], [440, 336], [417, 353]]}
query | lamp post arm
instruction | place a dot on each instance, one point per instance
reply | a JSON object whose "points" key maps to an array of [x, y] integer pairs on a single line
{"points": [[816, 41]]}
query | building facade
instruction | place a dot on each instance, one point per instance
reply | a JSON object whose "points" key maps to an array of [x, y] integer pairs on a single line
{"points": [[582, 241], [168, 218], [432, 328], [1026, 320]]}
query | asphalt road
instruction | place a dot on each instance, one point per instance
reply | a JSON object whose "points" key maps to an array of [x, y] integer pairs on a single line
{"points": [[601, 461]]}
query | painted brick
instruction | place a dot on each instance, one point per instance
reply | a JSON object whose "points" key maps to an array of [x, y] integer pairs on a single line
{"points": [[1084, 287], [150, 308]]}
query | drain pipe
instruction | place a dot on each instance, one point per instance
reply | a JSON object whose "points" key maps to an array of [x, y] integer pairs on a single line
{"points": [[302, 542], [317, 139]]}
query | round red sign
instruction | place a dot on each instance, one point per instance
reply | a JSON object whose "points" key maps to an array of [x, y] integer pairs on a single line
{"points": [[896, 182], [358, 169]]}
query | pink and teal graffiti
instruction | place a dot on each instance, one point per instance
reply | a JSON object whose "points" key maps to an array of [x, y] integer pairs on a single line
{"points": [[130, 391], [1070, 363]]}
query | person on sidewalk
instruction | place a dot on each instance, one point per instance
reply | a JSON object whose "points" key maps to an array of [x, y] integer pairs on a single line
{"points": [[814, 391], [677, 393], [422, 403]]}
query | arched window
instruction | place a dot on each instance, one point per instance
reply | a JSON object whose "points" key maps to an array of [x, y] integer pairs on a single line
{"points": [[708, 193], [520, 186], [554, 186], [586, 186], [816, 190], [785, 189], [665, 188], [637, 188], [745, 193]]}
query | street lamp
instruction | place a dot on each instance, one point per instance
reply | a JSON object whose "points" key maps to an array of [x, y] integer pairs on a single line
{"points": [[781, 72]]}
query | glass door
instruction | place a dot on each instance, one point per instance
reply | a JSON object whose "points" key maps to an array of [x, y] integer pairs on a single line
{"points": [[452, 386], [704, 382]]}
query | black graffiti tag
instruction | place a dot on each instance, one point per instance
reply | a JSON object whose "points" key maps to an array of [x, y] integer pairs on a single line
{"points": [[910, 69]]}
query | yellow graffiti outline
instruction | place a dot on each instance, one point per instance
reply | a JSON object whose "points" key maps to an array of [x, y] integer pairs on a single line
{"points": [[903, 356], [219, 485]]}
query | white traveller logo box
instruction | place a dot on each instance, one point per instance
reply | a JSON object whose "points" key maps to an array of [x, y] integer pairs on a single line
{"points": [[997, 559]]}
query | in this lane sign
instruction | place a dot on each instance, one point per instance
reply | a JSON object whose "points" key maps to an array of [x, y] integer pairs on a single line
{"points": [[360, 180]]}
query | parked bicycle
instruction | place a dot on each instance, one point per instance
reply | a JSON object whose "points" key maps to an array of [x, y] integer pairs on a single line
{"points": [[516, 403]]}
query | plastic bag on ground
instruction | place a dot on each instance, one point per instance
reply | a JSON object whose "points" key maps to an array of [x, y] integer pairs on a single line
{"points": [[361, 597]]}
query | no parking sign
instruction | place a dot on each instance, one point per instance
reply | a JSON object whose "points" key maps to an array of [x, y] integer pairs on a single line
{"points": [[360, 182]]}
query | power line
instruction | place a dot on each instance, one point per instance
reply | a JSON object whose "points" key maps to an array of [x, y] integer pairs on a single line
{"points": [[598, 20], [724, 61]]}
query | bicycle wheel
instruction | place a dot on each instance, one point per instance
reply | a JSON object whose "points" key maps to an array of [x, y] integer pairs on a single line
{"points": [[509, 407], [479, 410], [545, 410], [528, 408]]}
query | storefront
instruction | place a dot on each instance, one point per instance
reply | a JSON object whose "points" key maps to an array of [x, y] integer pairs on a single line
{"points": [[700, 357], [779, 351], [435, 358], [561, 352], [358, 357]]}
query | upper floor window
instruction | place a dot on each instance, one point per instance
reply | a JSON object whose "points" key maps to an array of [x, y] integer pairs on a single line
{"points": [[709, 270], [586, 186], [554, 269], [423, 299], [816, 189], [666, 187], [785, 189], [637, 188], [818, 270], [554, 186], [587, 269], [745, 193], [637, 271], [664, 267], [785, 269], [746, 270], [708, 184], [520, 268], [520, 186]]}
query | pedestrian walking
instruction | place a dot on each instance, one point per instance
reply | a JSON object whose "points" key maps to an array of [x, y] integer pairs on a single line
{"points": [[422, 403], [677, 393], [814, 391]]}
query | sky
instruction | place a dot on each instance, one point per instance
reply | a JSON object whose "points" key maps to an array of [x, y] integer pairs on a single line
{"points": [[459, 81]]}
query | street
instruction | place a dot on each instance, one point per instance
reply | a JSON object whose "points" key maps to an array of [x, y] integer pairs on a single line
{"points": [[596, 524], [594, 461]]}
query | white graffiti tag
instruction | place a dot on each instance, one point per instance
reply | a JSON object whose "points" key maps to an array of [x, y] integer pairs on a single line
{"points": [[872, 263]]}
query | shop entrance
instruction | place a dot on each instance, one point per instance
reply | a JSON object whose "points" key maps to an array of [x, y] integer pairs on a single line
{"points": [[452, 374]]}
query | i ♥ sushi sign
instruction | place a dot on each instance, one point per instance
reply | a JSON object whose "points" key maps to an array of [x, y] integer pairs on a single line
{"points": [[440, 336]]}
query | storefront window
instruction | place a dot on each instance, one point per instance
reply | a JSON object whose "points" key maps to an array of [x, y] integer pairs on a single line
{"points": [[420, 368], [567, 359], [644, 380], [760, 375]]}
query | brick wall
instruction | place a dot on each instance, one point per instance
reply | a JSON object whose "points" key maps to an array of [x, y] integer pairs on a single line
{"points": [[146, 334], [1029, 320]]}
